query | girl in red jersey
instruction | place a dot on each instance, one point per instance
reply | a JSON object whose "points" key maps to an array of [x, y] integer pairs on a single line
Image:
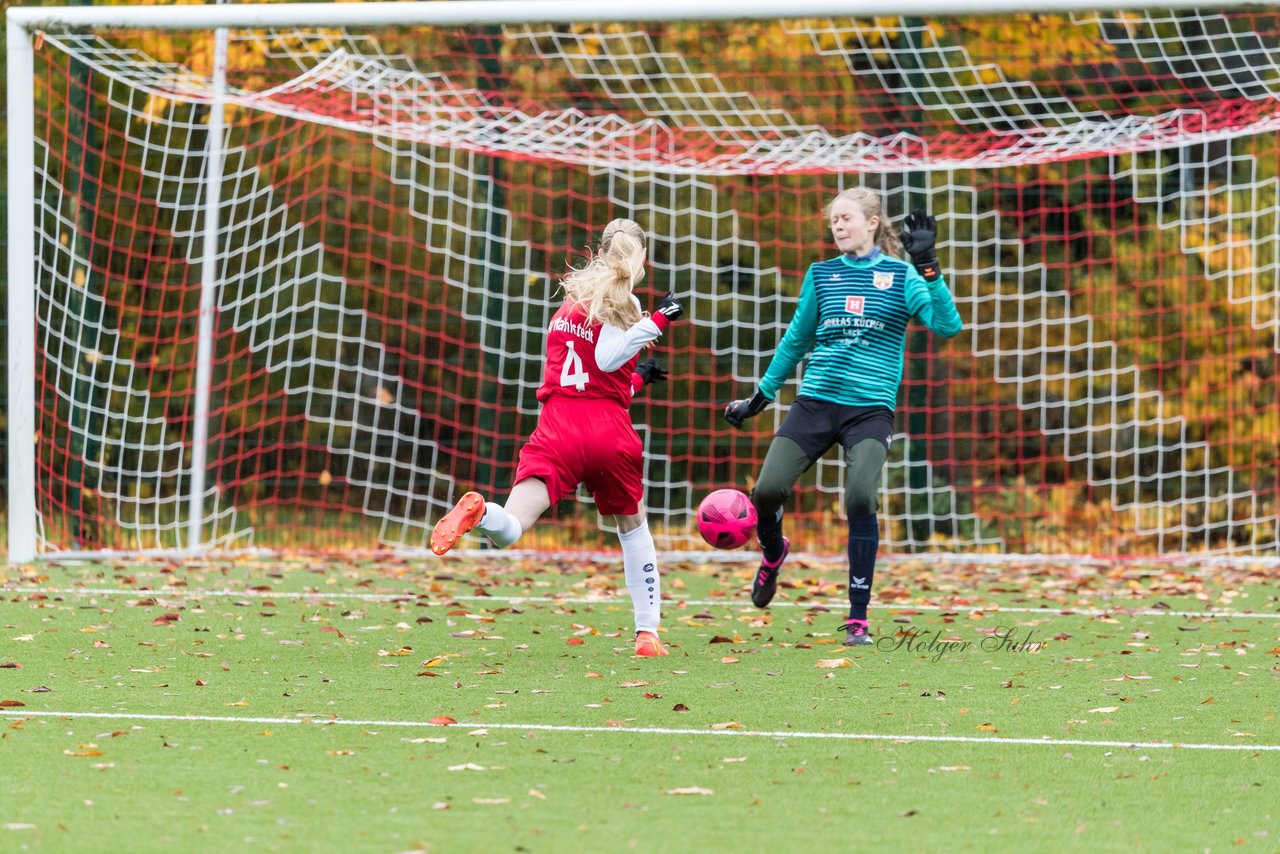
{"points": [[584, 433]]}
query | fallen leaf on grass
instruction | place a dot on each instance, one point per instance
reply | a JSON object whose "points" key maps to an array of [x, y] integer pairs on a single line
{"points": [[10, 704], [1103, 709], [988, 727], [442, 720], [834, 662], [691, 790], [727, 725], [633, 684]]}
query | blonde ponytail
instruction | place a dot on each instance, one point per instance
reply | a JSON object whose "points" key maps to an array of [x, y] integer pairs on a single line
{"points": [[603, 286]]}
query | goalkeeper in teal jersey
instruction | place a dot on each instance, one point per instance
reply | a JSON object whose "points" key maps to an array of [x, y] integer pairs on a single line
{"points": [[852, 323]]}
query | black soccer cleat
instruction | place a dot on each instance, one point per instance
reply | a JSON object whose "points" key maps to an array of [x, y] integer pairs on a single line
{"points": [[855, 633], [766, 580]]}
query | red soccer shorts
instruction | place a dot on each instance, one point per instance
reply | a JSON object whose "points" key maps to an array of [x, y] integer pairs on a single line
{"points": [[590, 442]]}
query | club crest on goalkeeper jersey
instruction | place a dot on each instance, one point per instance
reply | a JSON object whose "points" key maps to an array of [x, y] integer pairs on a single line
{"points": [[571, 369]]}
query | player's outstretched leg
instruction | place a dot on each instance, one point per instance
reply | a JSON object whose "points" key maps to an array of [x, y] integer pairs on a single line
{"points": [[648, 645], [766, 580], [783, 464], [464, 516]]}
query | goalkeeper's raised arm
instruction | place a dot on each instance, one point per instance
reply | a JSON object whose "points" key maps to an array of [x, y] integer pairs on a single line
{"points": [[851, 321]]}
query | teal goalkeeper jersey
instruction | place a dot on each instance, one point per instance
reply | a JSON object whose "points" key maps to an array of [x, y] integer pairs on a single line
{"points": [[853, 315]]}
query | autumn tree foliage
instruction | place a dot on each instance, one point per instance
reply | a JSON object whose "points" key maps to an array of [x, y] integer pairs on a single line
{"points": [[1106, 185]]}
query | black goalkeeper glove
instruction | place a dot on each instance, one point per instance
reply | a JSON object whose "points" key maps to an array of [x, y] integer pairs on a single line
{"points": [[670, 308], [919, 234], [650, 371], [740, 410]]}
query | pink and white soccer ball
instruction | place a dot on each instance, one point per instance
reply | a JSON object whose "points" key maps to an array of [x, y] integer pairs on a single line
{"points": [[727, 519]]}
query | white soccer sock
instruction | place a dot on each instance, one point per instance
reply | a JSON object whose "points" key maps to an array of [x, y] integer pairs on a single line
{"points": [[499, 525], [640, 565]]}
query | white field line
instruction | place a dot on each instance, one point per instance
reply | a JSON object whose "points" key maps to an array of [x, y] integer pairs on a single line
{"points": [[197, 593], [1189, 560], [1201, 561], [740, 733]]}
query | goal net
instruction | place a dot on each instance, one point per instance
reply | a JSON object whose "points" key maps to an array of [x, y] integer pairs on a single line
{"points": [[288, 286]]}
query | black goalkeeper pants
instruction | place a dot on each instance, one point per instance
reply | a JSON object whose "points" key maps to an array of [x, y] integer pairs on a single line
{"points": [[808, 431]]}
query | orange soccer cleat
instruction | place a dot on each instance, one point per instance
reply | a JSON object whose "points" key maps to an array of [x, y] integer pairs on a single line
{"points": [[648, 645], [464, 516]]}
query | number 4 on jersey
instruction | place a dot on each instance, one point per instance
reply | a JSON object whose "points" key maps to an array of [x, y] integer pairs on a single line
{"points": [[572, 373]]}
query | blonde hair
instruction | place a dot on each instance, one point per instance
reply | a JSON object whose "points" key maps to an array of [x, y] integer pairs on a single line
{"points": [[886, 236], [603, 286]]}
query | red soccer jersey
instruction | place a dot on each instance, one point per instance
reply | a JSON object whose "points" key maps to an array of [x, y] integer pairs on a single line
{"points": [[571, 362]]}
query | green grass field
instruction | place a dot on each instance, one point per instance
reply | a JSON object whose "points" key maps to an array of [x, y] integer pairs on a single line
{"points": [[494, 705]]}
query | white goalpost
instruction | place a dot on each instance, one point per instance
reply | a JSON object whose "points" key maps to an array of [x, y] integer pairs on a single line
{"points": [[279, 274]]}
